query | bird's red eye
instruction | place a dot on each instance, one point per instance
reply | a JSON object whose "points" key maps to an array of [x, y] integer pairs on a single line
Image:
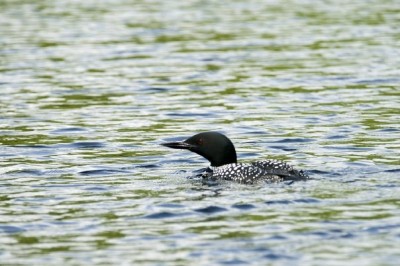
{"points": [[200, 141]]}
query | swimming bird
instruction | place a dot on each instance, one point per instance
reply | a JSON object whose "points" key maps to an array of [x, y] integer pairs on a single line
{"points": [[220, 152]]}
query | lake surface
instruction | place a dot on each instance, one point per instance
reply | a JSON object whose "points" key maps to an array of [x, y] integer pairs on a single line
{"points": [[89, 89]]}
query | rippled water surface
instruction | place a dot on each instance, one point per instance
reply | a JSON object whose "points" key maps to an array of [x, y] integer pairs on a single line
{"points": [[89, 89]]}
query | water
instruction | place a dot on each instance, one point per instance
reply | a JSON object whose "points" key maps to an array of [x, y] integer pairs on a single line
{"points": [[89, 89]]}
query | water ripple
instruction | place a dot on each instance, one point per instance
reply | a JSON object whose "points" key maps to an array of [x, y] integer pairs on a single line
{"points": [[89, 89]]}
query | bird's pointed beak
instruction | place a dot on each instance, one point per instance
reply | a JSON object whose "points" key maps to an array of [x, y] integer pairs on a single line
{"points": [[178, 145]]}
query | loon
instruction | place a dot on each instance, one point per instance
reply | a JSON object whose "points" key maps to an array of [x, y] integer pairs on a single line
{"points": [[220, 152]]}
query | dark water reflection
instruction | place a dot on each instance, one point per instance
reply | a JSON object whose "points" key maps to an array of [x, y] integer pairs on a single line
{"points": [[89, 89]]}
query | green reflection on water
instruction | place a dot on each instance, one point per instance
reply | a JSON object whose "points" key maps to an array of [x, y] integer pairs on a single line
{"points": [[27, 240], [301, 70]]}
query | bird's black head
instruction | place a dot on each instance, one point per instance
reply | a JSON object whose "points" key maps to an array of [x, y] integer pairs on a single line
{"points": [[213, 146]]}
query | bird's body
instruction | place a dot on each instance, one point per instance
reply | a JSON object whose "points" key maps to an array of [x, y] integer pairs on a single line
{"points": [[268, 170], [221, 153]]}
